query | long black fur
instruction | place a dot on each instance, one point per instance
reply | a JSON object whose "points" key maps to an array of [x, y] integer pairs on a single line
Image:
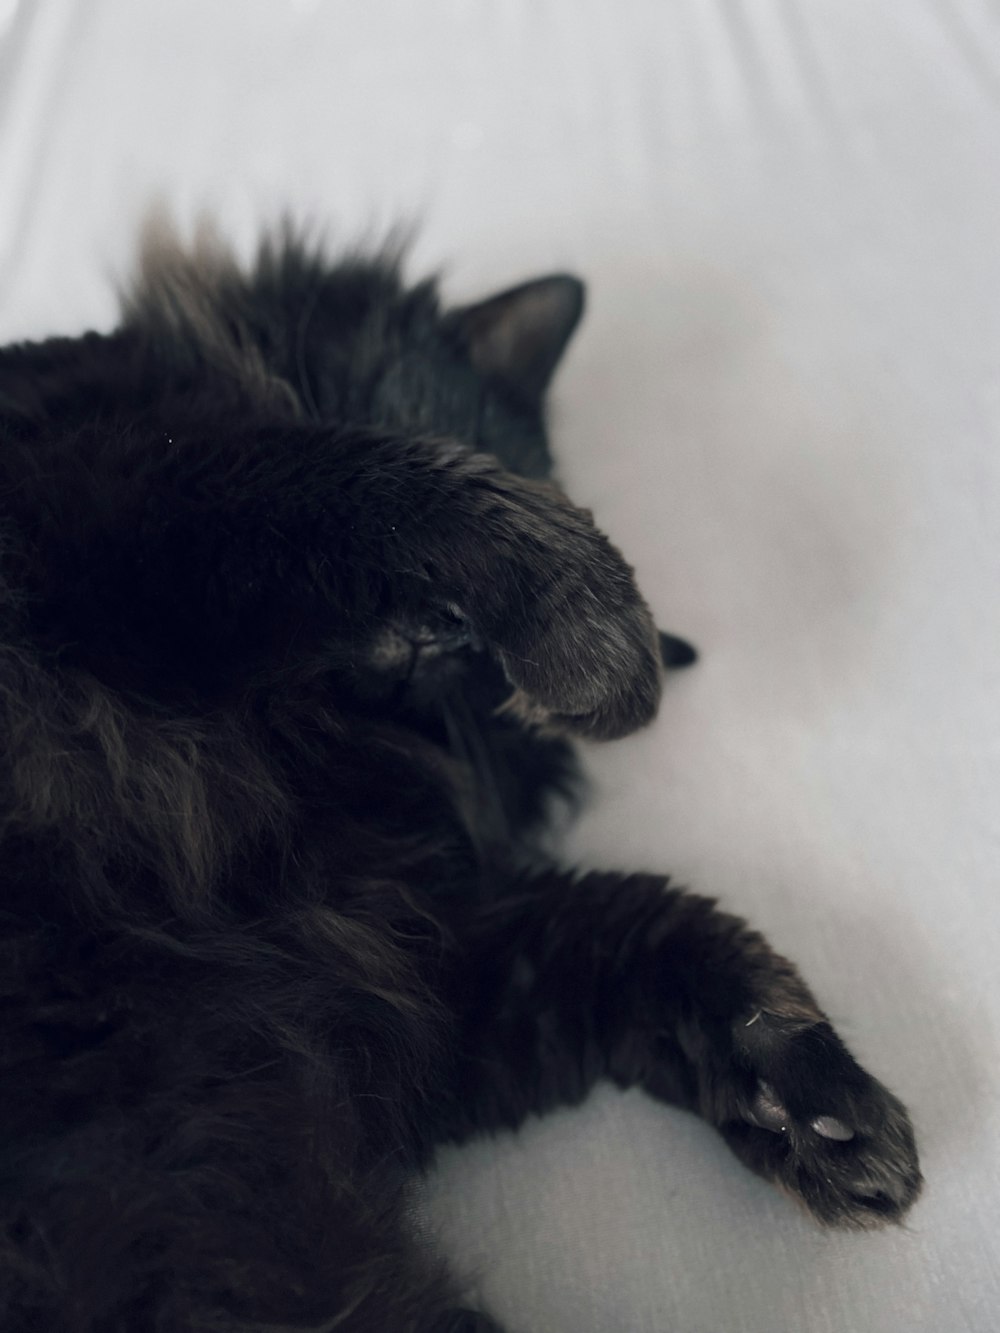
{"points": [[293, 635]]}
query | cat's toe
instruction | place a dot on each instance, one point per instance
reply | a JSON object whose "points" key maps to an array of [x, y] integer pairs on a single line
{"points": [[766, 1111]]}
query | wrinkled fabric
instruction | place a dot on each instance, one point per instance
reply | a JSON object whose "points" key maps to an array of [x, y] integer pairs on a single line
{"points": [[784, 405]]}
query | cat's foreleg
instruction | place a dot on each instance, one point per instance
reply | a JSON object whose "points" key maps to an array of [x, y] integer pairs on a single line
{"points": [[560, 983], [268, 549]]}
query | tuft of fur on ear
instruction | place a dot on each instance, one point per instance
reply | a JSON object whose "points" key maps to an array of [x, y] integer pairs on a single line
{"points": [[192, 300], [519, 335]]}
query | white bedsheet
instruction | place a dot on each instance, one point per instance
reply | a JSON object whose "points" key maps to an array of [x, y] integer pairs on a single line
{"points": [[784, 406]]}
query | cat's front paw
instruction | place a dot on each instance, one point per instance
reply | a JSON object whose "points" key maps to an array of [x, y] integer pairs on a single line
{"points": [[575, 636], [599, 678], [802, 1112], [550, 597]]}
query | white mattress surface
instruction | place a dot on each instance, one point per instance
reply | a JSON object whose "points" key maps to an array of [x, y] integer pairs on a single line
{"points": [[785, 407]]}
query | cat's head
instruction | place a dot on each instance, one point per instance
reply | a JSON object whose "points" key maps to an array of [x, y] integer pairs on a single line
{"points": [[388, 355], [351, 342]]}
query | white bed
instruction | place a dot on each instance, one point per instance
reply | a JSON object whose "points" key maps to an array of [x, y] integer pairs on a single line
{"points": [[785, 407]]}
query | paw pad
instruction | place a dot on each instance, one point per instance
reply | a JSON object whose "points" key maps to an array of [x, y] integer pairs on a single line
{"points": [[829, 1127], [767, 1112]]}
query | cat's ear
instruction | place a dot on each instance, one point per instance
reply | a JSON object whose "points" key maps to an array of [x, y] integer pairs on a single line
{"points": [[518, 336]]}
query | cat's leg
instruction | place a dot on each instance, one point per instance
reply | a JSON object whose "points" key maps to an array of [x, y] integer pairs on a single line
{"points": [[559, 983], [223, 551]]}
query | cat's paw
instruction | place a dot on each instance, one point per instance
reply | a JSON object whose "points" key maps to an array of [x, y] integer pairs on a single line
{"points": [[800, 1110], [551, 598], [599, 678], [573, 634]]}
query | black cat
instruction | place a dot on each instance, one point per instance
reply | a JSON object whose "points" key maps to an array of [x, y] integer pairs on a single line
{"points": [[293, 632]]}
